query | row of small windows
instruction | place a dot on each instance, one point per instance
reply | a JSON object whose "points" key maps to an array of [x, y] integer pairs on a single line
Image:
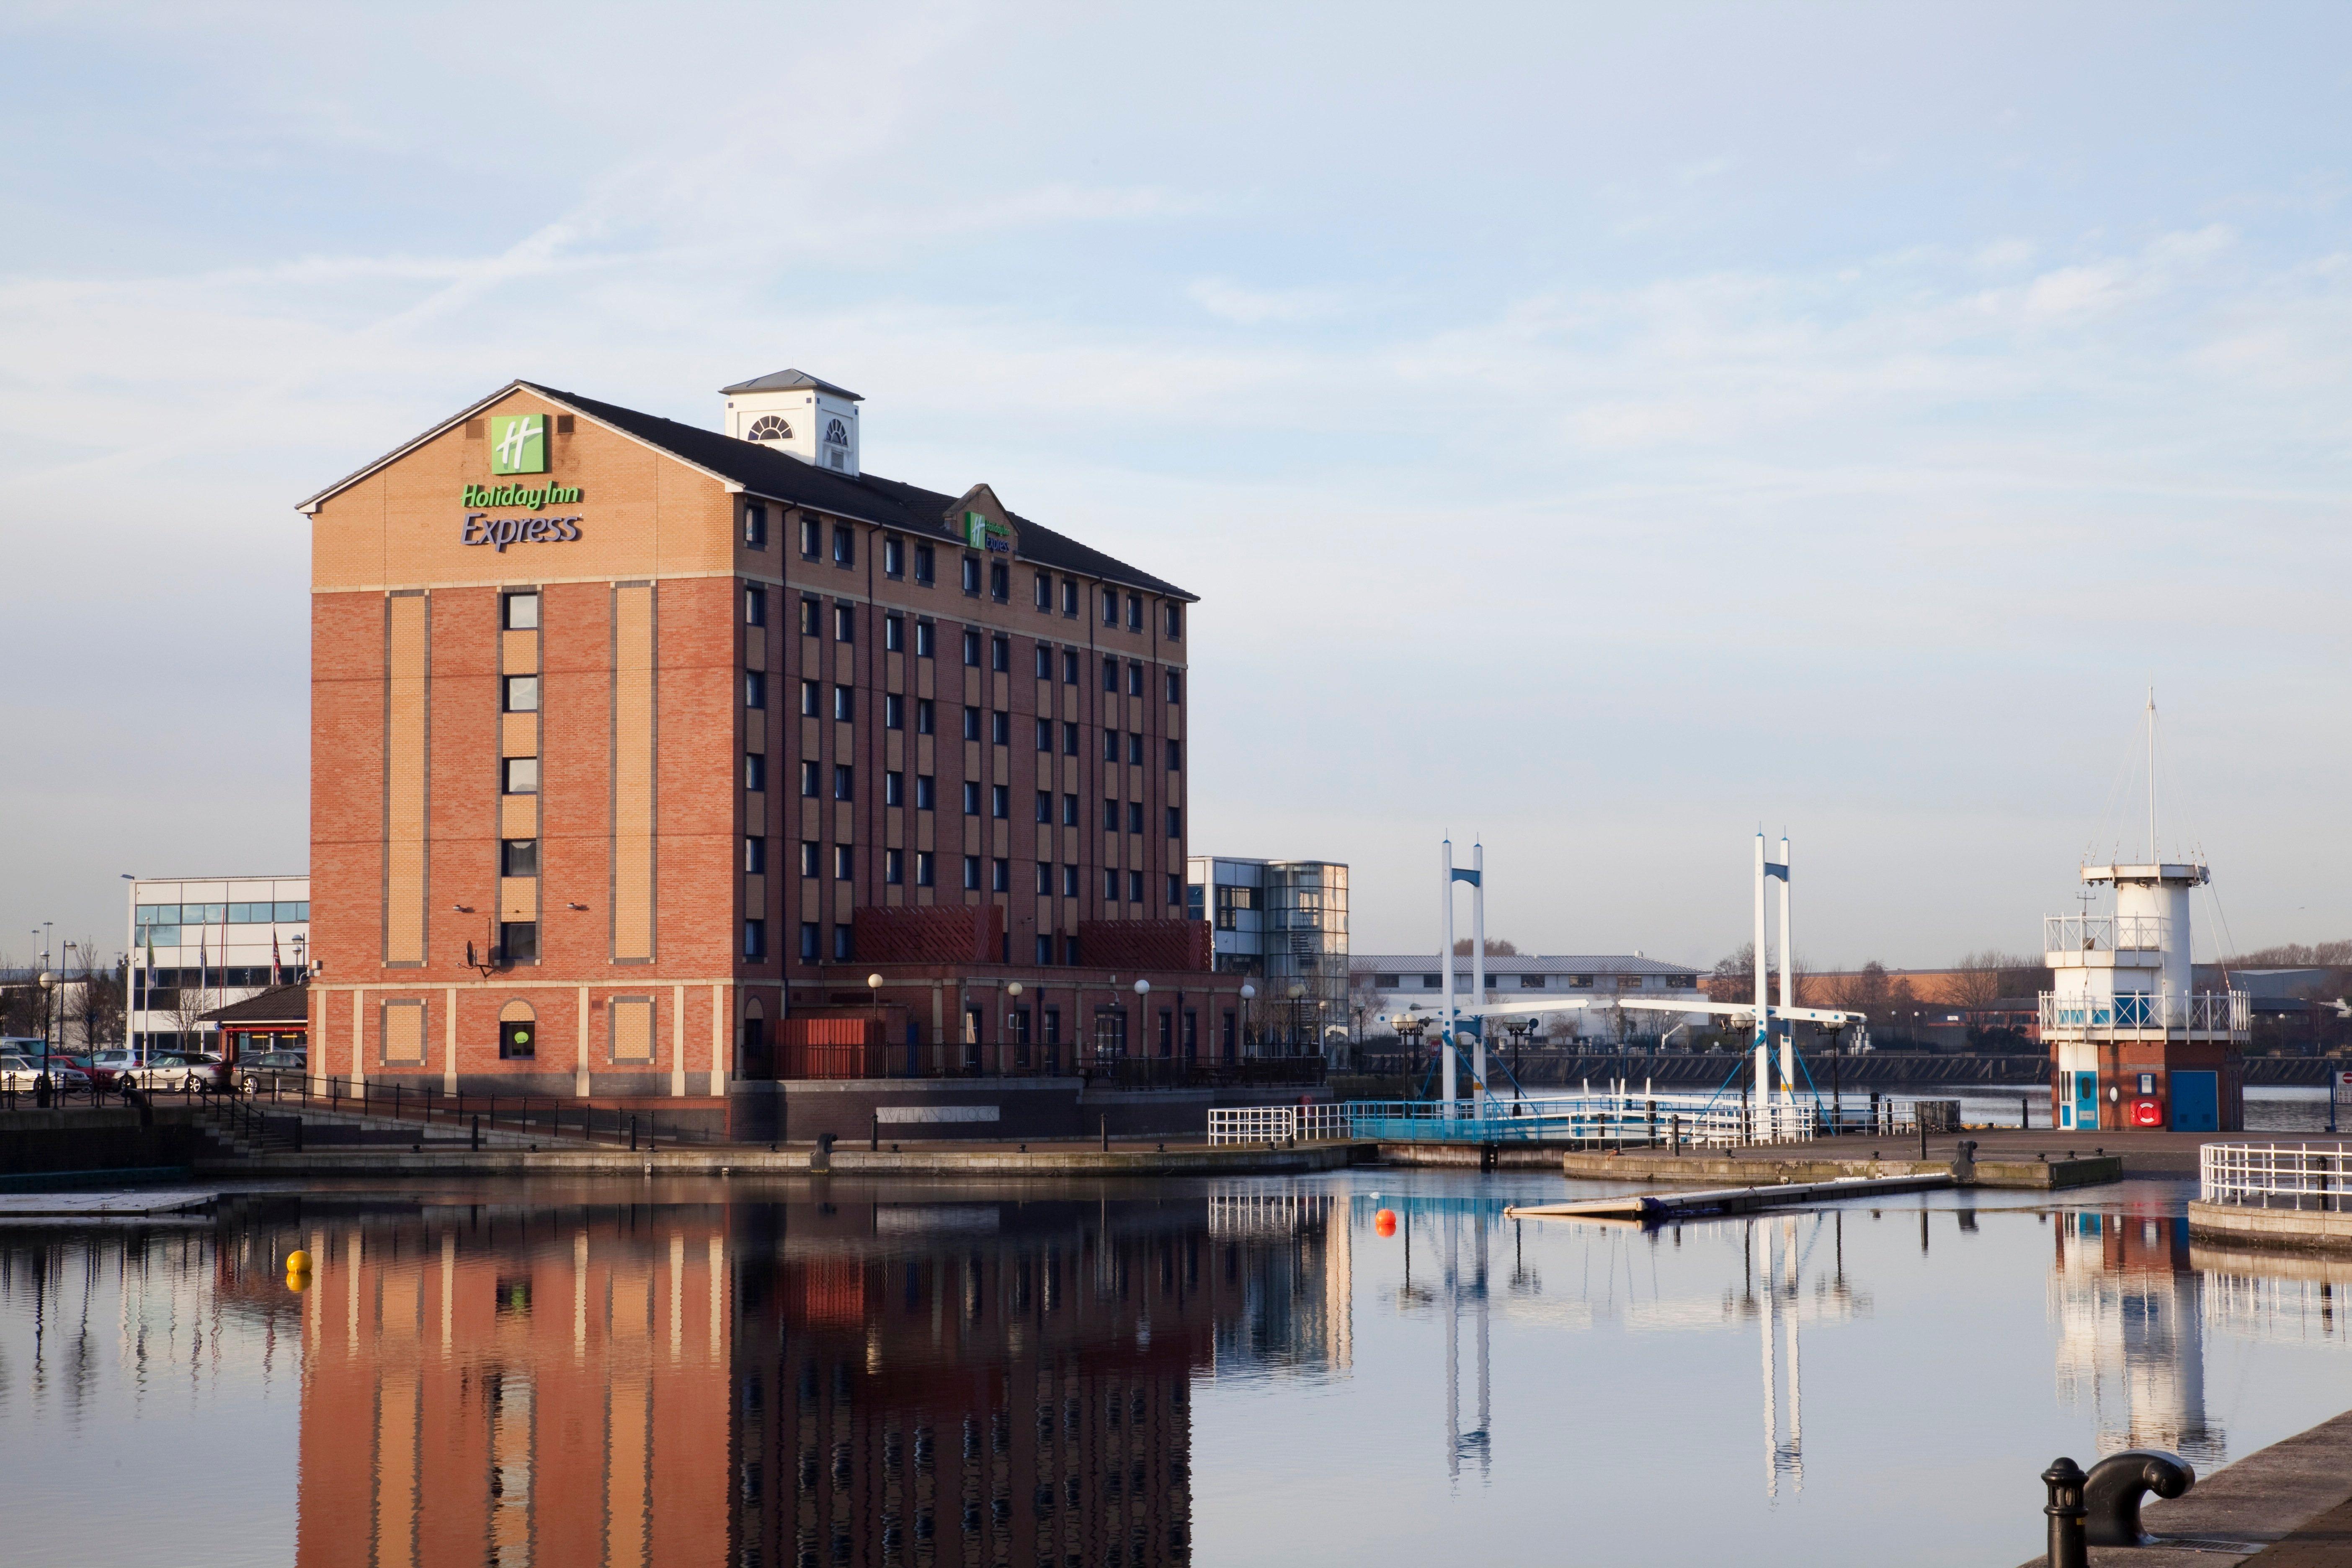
{"points": [[992, 577], [843, 947], [283, 912], [1532, 982]]}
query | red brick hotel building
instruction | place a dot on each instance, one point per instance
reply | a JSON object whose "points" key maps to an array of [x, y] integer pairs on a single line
{"points": [[638, 747]]}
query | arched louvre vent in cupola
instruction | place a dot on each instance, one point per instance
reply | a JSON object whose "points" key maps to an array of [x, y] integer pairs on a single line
{"points": [[769, 427]]}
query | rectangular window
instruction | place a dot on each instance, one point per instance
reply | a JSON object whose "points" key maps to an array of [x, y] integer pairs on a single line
{"points": [[893, 711], [518, 858], [923, 565], [1135, 816], [1135, 750], [1044, 956], [1134, 612], [1069, 811], [1110, 676], [1069, 881], [755, 771], [1045, 592], [924, 864], [927, 790], [808, 781], [1388, 982], [894, 788], [812, 617], [1110, 606], [971, 723], [808, 941], [1110, 745], [1044, 660], [999, 728], [1532, 982], [811, 700], [1044, 879], [1175, 755], [971, 797], [520, 694], [844, 776], [926, 636], [845, 945], [1069, 667], [845, 623], [1000, 802], [1069, 739], [893, 634], [894, 557], [844, 545], [755, 604], [755, 689], [755, 856], [1045, 805], [518, 940], [845, 862], [1134, 679], [1070, 950], [1175, 890], [521, 775], [1000, 655], [809, 856], [1069, 597], [1000, 582], [812, 543], [1110, 816], [1111, 885], [1172, 621], [755, 939], [1000, 877], [519, 612], [972, 873], [845, 704], [971, 575], [755, 526], [1135, 886], [1175, 823], [971, 649], [927, 717], [1045, 734], [894, 867], [1175, 687]]}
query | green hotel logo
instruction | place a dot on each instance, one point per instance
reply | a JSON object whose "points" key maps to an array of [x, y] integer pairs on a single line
{"points": [[978, 534], [518, 443], [534, 497]]}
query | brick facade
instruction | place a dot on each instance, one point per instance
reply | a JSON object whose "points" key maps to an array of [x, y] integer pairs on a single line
{"points": [[678, 659]]}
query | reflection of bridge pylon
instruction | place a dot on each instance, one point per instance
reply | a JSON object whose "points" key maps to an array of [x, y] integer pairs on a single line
{"points": [[1477, 1444], [1783, 1455]]}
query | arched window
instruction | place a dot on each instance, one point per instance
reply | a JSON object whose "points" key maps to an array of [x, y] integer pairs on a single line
{"points": [[518, 1032], [768, 427]]}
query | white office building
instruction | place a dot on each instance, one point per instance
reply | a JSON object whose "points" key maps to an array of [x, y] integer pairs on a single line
{"points": [[201, 942], [1382, 986]]}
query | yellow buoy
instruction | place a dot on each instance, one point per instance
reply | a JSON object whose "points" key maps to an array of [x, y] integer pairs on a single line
{"points": [[298, 1280], [297, 1262]]}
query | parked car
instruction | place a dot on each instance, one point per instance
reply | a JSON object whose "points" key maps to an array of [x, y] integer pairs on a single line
{"points": [[105, 1065], [256, 1073], [174, 1073], [22, 1074]]}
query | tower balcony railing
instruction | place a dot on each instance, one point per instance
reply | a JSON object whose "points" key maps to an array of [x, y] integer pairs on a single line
{"points": [[2106, 933], [2202, 1013]]}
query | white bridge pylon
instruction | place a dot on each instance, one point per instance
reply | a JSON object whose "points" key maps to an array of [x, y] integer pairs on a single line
{"points": [[1769, 1022]]}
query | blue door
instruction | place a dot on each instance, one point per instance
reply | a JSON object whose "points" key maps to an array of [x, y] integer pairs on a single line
{"points": [[2086, 1100], [2197, 1102]]}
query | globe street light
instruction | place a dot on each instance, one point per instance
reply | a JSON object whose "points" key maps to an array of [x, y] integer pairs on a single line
{"points": [[1248, 991]]}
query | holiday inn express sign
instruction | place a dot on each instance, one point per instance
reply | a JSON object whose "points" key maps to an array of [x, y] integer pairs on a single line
{"points": [[518, 445]]}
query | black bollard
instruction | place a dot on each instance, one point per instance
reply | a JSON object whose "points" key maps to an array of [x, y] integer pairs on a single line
{"points": [[2113, 1491], [477, 1133], [2067, 1547], [1106, 1134], [874, 1134], [633, 1134]]}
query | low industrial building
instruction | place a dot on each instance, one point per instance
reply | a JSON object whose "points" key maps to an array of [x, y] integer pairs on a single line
{"points": [[1385, 987], [199, 944]]}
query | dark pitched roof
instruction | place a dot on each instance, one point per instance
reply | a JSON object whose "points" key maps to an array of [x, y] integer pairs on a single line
{"points": [[280, 1005], [788, 381], [762, 471]]}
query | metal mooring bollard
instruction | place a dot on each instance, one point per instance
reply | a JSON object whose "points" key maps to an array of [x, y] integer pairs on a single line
{"points": [[2067, 1549], [2116, 1486]]}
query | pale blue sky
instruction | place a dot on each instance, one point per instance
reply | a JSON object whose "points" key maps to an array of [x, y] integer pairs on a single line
{"points": [[1603, 428]]}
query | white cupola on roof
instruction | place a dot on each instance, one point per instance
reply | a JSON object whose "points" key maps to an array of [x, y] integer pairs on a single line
{"points": [[795, 412]]}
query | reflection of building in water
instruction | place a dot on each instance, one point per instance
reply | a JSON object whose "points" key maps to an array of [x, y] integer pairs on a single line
{"points": [[517, 1385], [2130, 1324], [1295, 1314]]}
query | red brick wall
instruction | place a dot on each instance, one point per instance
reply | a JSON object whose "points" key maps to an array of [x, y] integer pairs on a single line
{"points": [[953, 933], [1128, 945]]}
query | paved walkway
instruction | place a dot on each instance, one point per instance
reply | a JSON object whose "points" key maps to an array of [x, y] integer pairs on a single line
{"points": [[2144, 1154]]}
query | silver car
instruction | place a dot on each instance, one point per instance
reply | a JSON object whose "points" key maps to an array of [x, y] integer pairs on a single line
{"points": [[173, 1074], [22, 1074]]}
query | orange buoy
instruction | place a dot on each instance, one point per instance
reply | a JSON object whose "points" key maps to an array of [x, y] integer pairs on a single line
{"points": [[1384, 1223]]}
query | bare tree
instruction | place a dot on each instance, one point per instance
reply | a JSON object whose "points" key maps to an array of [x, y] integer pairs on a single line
{"points": [[94, 1005], [189, 1005], [1974, 984]]}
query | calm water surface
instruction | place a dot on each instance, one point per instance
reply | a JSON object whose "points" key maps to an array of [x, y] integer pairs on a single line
{"points": [[1242, 1372]]}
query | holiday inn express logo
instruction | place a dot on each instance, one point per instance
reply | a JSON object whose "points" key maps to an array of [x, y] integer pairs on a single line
{"points": [[518, 443], [519, 495]]}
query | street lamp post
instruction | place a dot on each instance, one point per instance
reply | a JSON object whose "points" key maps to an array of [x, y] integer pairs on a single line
{"points": [[1011, 1026], [48, 992], [1249, 992], [1297, 990]]}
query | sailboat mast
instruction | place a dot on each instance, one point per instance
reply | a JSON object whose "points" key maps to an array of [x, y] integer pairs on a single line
{"points": [[2151, 776]]}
